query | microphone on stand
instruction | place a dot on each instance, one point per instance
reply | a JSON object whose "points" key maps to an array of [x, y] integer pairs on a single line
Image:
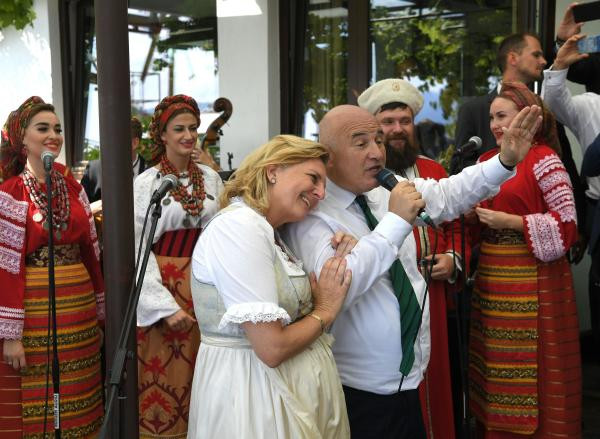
{"points": [[387, 180], [168, 182], [473, 144], [47, 160]]}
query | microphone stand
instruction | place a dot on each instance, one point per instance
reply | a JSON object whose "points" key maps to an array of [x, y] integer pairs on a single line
{"points": [[52, 297], [462, 309], [122, 354]]}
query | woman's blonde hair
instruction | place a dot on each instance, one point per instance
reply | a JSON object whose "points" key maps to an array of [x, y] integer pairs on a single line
{"points": [[250, 181]]}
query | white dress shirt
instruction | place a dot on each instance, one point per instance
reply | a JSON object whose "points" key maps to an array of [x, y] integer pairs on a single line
{"points": [[368, 348], [581, 114]]}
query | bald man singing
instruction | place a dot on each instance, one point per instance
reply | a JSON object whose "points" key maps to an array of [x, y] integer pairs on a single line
{"points": [[382, 333]]}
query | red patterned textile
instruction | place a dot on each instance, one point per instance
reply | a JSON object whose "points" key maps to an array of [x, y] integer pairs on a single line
{"points": [[435, 389], [20, 235], [166, 358], [525, 366]]}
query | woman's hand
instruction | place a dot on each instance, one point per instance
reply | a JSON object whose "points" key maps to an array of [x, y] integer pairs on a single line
{"points": [[180, 321], [330, 290], [499, 220], [343, 243], [14, 354], [517, 138]]}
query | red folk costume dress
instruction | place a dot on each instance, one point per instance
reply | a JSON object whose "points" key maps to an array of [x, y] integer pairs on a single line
{"points": [[24, 314], [435, 389], [166, 358], [525, 370]]}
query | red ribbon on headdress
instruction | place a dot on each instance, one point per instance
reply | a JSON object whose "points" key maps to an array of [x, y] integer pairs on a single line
{"points": [[166, 115]]}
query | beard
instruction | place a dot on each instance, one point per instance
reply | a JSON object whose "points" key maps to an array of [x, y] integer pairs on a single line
{"points": [[399, 159]]}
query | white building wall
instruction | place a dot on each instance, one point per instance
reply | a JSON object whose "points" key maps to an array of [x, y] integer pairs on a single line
{"points": [[581, 270], [27, 67], [249, 78]]}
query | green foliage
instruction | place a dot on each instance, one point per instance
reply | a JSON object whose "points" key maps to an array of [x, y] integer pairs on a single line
{"points": [[458, 50], [17, 13], [145, 143], [325, 85]]}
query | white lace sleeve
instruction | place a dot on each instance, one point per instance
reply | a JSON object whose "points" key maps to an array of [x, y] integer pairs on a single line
{"points": [[255, 312], [156, 302]]}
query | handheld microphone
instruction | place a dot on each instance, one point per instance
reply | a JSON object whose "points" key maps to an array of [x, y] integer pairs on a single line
{"points": [[47, 160], [473, 144], [387, 180], [168, 182]]}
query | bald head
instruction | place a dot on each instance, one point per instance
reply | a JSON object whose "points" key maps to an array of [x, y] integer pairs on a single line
{"points": [[356, 144], [342, 123]]}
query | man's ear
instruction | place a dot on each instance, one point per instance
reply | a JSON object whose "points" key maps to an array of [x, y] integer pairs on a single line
{"points": [[330, 159], [511, 58]]}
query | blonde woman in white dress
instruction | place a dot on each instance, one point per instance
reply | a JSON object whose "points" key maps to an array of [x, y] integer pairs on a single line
{"points": [[267, 367]]}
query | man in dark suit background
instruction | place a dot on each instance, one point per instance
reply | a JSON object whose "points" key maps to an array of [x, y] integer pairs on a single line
{"points": [[92, 176]]}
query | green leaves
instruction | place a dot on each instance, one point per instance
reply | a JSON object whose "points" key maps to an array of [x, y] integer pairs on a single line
{"points": [[17, 13]]}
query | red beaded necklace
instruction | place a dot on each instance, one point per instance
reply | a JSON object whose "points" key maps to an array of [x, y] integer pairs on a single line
{"points": [[191, 203], [61, 207]]}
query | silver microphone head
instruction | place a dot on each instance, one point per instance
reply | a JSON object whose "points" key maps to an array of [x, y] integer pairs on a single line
{"points": [[477, 141], [47, 155], [172, 179]]}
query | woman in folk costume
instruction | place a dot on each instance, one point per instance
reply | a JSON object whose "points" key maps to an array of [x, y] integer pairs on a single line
{"points": [[79, 288], [525, 371], [168, 335]]}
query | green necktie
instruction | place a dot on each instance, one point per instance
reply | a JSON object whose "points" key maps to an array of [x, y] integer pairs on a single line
{"points": [[409, 305]]}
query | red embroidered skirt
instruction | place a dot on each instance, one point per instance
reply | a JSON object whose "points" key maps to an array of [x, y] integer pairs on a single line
{"points": [[23, 395], [525, 367], [166, 358]]}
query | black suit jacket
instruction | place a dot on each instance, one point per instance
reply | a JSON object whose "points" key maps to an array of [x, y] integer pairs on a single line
{"points": [[590, 167], [92, 179]]}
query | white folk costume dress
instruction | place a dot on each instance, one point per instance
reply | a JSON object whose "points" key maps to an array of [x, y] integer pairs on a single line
{"points": [[244, 273], [166, 357]]}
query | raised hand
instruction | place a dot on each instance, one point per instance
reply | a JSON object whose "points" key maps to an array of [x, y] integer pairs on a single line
{"points": [[517, 138], [568, 53], [568, 27]]}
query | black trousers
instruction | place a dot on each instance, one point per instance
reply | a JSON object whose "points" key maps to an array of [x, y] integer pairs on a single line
{"points": [[373, 416]]}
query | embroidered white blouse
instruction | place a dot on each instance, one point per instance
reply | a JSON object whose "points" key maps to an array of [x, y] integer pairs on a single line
{"points": [[156, 302]]}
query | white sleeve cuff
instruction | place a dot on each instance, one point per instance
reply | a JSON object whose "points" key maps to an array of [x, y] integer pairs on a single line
{"points": [[393, 228], [555, 77], [495, 172], [255, 312]]}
